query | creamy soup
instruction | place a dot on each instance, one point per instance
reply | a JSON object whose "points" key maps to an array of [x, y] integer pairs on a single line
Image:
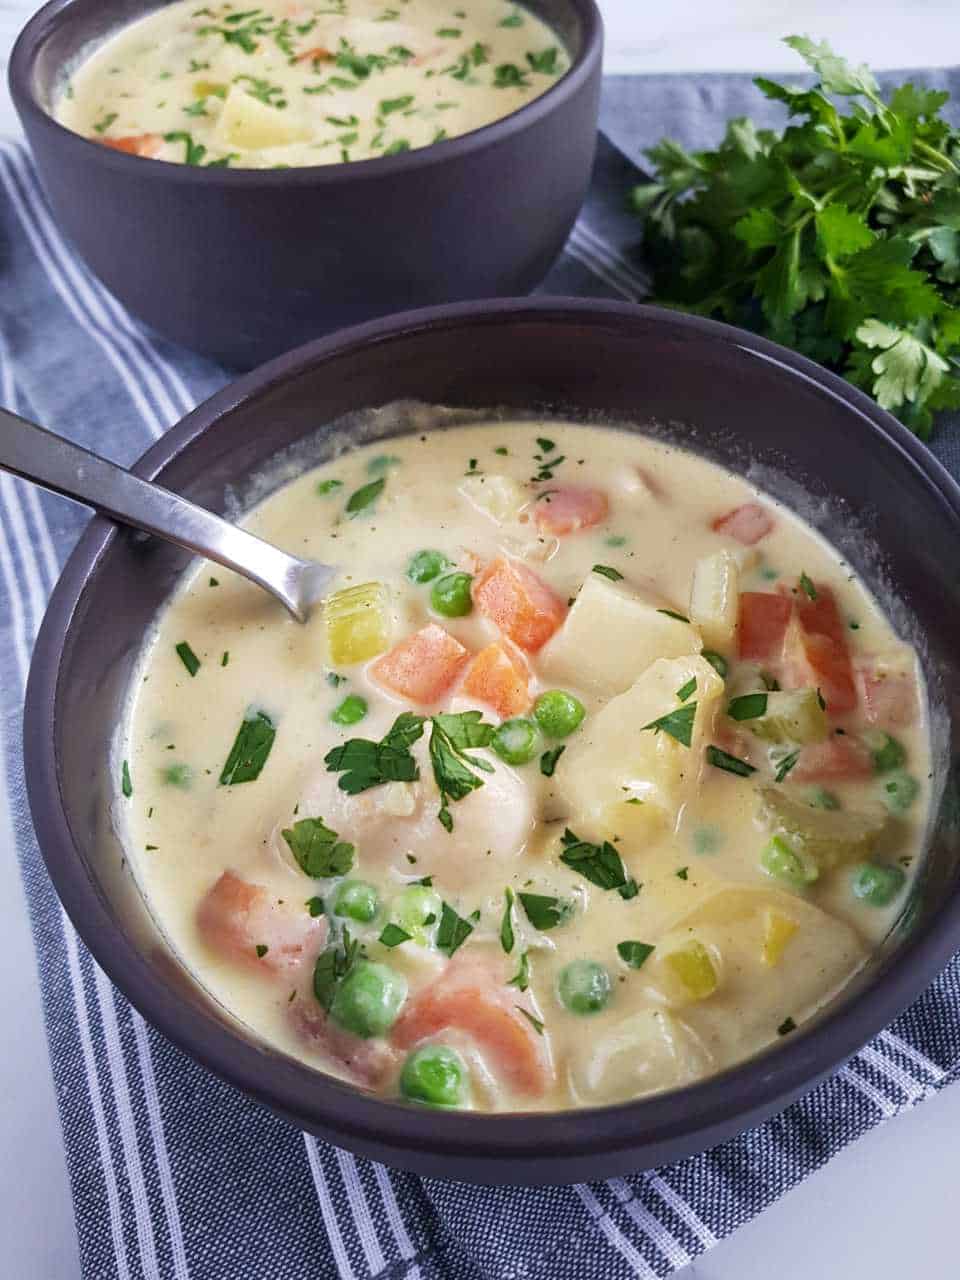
{"points": [[598, 771], [290, 83]]}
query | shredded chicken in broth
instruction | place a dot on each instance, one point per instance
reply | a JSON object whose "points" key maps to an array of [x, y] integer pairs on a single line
{"points": [[598, 772], [289, 83]]}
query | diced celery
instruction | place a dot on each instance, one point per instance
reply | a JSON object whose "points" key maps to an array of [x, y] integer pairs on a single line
{"points": [[829, 837], [781, 860], [714, 598], [778, 929], [693, 967], [209, 89], [357, 623], [795, 717]]}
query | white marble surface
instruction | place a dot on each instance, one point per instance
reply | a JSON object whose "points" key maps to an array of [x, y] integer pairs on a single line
{"points": [[881, 1209]]}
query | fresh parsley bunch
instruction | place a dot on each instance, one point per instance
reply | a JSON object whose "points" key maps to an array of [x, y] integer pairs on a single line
{"points": [[839, 237]]}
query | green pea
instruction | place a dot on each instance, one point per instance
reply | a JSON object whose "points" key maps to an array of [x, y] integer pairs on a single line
{"points": [[899, 790], [877, 883], [717, 661], [415, 909], [355, 899], [887, 752], [350, 711], [434, 1074], [368, 1000], [784, 863], [517, 741], [584, 987], [558, 713], [450, 595], [427, 565]]}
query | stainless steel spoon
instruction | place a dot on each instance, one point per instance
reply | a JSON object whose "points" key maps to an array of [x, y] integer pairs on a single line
{"points": [[57, 464]]}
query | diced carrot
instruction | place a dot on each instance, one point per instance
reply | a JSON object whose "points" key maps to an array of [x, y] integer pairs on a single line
{"points": [[370, 1063], [568, 510], [519, 603], [422, 667], [317, 54], [468, 997], [500, 678], [143, 144], [748, 524], [237, 917], [819, 655], [889, 697], [764, 618], [841, 758]]}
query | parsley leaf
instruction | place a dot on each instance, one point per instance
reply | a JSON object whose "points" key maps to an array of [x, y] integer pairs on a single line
{"points": [[606, 572], [250, 749], [749, 706], [544, 912], [333, 965], [521, 979], [452, 931], [634, 953], [317, 850], [366, 764], [392, 935], [506, 924], [548, 761], [453, 769], [678, 724], [365, 496], [598, 863], [730, 764]]}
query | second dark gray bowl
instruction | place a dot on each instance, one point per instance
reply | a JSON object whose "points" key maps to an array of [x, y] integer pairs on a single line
{"points": [[244, 264]]}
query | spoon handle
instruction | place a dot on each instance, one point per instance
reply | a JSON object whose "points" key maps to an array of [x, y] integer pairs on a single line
{"points": [[55, 463]]}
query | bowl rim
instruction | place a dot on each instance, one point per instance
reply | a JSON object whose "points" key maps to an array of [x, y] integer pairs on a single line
{"points": [[55, 13], [322, 1103]]}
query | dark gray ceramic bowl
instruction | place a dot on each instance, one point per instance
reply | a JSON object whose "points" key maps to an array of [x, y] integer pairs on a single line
{"points": [[882, 499], [244, 264]]}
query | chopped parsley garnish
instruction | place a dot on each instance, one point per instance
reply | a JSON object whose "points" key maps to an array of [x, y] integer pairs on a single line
{"points": [[672, 613], [103, 125], [332, 967], [452, 931], [271, 95], [748, 707], [188, 657], [261, 950], [318, 850], [453, 769], [544, 912], [598, 863], [786, 1026], [545, 62], [225, 657], [534, 1022], [731, 764], [382, 462], [325, 487], [606, 571], [635, 954], [366, 764], [334, 681], [678, 724], [178, 775], [392, 935], [395, 148], [543, 444], [785, 765], [682, 873], [479, 54], [195, 151], [687, 690], [214, 582], [126, 785], [506, 924], [807, 587], [389, 105], [448, 33], [514, 20], [365, 496], [197, 108], [502, 451], [521, 979], [314, 906], [250, 749], [717, 661]]}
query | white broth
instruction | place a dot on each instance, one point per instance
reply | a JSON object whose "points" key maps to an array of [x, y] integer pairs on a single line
{"points": [[289, 83], [599, 772]]}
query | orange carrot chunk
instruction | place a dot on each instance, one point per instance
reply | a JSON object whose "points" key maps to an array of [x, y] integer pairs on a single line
{"points": [[748, 524], [422, 667], [143, 144], [764, 618], [245, 923], [519, 603], [500, 679], [841, 758], [562, 511], [466, 997]]}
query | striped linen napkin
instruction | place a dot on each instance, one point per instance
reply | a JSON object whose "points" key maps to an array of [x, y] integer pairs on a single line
{"points": [[176, 1176]]}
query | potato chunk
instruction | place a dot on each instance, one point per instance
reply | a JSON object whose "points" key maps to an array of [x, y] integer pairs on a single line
{"points": [[642, 1054], [496, 496], [246, 123], [618, 777], [611, 635], [715, 598]]}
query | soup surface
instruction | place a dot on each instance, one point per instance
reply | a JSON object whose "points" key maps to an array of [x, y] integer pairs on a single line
{"points": [[598, 772], [290, 83]]}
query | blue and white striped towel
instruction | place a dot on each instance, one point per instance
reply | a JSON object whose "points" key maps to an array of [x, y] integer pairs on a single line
{"points": [[175, 1176]]}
